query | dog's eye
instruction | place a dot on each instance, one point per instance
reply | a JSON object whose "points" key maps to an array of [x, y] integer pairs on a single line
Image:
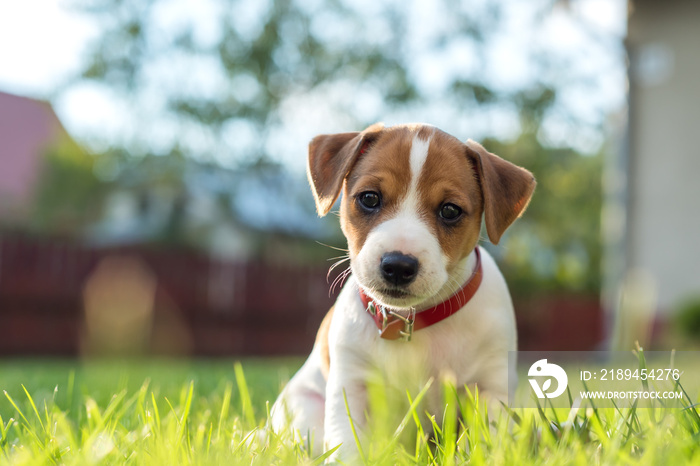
{"points": [[450, 212], [369, 200]]}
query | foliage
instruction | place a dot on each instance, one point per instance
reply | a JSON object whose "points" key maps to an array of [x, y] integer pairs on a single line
{"points": [[70, 196], [237, 90], [182, 201], [556, 244], [218, 81], [214, 413], [688, 317]]}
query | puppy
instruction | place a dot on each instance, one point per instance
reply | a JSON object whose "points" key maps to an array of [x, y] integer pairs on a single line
{"points": [[423, 299]]}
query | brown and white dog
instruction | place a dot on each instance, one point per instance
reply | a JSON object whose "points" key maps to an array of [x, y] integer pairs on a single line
{"points": [[423, 299]]}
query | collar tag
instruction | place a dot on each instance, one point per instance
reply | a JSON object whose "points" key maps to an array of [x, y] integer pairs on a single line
{"points": [[392, 319], [372, 309]]}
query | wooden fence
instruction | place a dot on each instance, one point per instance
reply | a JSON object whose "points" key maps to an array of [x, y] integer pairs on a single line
{"points": [[207, 306], [225, 307]]}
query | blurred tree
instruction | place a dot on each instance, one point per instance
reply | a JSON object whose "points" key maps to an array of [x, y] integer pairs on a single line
{"points": [[556, 245], [220, 82], [220, 78], [69, 196]]}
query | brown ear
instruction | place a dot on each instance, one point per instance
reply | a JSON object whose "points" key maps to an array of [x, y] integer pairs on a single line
{"points": [[331, 157], [506, 188]]}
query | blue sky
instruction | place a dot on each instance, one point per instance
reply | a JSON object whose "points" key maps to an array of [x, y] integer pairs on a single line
{"points": [[43, 43]]}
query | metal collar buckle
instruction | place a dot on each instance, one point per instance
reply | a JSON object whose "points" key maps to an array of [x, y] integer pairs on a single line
{"points": [[389, 317]]}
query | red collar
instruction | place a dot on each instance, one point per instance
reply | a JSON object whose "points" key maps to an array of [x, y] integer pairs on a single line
{"points": [[393, 326]]}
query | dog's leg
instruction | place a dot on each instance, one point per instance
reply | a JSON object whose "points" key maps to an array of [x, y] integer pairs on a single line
{"points": [[493, 390], [299, 410], [346, 380]]}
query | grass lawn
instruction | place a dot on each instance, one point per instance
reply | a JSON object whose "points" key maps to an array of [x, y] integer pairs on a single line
{"points": [[209, 412]]}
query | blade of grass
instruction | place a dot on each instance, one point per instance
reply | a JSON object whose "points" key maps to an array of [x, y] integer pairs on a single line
{"points": [[630, 421], [246, 404], [33, 405], [186, 412], [24, 418], [224, 408], [209, 434], [245, 441], [352, 428], [410, 414], [449, 422], [156, 414], [420, 432], [322, 458], [3, 430], [592, 402]]}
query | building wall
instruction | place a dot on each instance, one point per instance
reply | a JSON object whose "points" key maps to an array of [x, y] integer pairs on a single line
{"points": [[27, 127], [663, 225]]}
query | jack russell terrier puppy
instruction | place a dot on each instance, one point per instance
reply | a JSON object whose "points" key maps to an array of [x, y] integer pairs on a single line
{"points": [[423, 301]]}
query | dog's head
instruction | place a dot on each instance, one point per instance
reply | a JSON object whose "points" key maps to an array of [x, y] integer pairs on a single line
{"points": [[413, 200]]}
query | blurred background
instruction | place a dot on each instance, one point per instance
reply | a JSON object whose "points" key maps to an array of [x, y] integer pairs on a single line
{"points": [[153, 198]]}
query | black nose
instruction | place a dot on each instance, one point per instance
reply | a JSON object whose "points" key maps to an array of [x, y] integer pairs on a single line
{"points": [[398, 269]]}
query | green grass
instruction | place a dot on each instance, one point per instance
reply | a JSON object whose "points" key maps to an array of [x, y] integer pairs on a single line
{"points": [[212, 412]]}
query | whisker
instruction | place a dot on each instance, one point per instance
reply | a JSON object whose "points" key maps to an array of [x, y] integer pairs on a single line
{"points": [[459, 296], [452, 288], [339, 280], [345, 276], [338, 262], [337, 257], [334, 265], [331, 289], [450, 291], [332, 247]]}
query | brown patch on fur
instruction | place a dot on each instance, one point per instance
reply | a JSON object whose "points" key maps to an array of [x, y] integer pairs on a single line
{"points": [[507, 189], [447, 177], [385, 169], [426, 132], [377, 159], [331, 157], [322, 341]]}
